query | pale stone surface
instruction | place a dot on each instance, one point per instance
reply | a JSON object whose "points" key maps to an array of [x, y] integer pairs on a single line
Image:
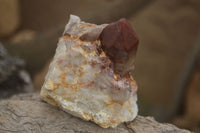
{"points": [[81, 80]]}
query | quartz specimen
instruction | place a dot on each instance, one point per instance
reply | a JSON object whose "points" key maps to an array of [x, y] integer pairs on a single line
{"points": [[82, 79]]}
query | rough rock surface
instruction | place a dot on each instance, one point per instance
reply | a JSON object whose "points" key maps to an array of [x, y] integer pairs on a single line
{"points": [[13, 78], [82, 82], [24, 113]]}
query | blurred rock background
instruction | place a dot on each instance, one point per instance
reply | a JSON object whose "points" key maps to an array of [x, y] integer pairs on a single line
{"points": [[167, 65]]}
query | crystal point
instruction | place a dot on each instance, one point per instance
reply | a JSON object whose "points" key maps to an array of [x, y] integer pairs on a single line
{"points": [[120, 43]]}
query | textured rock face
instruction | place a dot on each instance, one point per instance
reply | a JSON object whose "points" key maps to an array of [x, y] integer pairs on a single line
{"points": [[26, 113], [81, 78]]}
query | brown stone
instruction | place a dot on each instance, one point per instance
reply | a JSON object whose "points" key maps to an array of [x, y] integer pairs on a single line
{"points": [[10, 16], [165, 54]]}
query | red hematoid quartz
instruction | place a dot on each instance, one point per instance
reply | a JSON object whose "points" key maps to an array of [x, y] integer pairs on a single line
{"points": [[119, 42]]}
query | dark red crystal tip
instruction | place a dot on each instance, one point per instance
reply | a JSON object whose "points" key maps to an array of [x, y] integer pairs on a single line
{"points": [[119, 35]]}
